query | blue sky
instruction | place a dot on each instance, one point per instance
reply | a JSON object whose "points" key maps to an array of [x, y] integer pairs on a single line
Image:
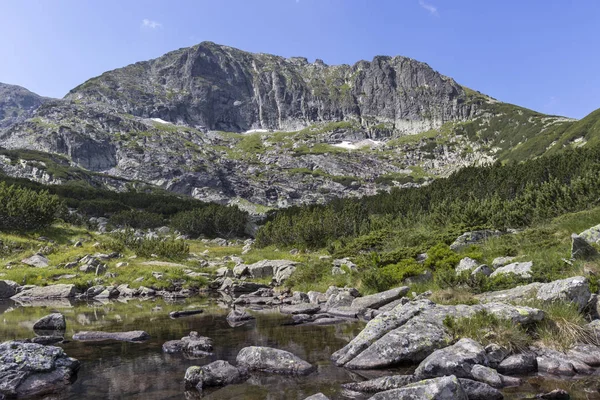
{"points": [[541, 54]]}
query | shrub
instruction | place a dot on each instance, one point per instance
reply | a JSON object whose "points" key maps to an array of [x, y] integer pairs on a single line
{"points": [[486, 328], [23, 209], [137, 219], [378, 279], [212, 221], [166, 248]]}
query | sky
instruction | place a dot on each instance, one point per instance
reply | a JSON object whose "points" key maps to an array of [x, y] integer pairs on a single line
{"points": [[539, 54]]}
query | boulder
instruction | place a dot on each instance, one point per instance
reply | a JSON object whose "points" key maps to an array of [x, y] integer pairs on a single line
{"points": [[283, 273], [518, 364], [457, 360], [194, 345], [487, 375], [496, 354], [502, 261], [556, 363], [217, 373], [302, 308], [132, 336], [521, 269], [32, 370], [235, 287], [238, 271], [591, 235], [316, 297], [575, 289], [339, 299], [125, 291], [318, 396], [380, 384], [58, 291], [581, 249], [272, 360], [36, 260], [239, 315], [479, 391], [444, 388], [466, 264], [8, 289], [482, 270], [223, 272], [268, 268], [473, 237], [52, 322], [379, 299], [587, 353]]}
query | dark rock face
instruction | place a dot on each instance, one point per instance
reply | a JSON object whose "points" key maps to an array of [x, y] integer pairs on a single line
{"points": [[17, 104], [29, 369], [52, 322], [222, 88]]}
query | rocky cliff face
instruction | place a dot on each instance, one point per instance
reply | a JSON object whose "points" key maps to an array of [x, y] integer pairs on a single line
{"points": [[17, 104], [184, 122], [222, 88]]}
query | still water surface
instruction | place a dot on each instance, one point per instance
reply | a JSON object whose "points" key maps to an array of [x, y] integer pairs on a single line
{"points": [[116, 370]]}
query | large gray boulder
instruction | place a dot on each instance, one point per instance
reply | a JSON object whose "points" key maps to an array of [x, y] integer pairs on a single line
{"points": [[217, 373], [444, 388], [518, 364], [8, 289], [58, 291], [30, 369], [466, 264], [521, 269], [193, 344], [479, 391], [379, 299], [52, 322], [575, 289], [457, 360], [272, 360], [36, 260], [591, 235], [412, 331]]}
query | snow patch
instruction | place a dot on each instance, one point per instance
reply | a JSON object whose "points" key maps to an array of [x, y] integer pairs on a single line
{"points": [[256, 131], [161, 121], [358, 145]]}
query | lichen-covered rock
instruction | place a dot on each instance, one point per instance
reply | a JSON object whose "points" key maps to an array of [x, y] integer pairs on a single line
{"points": [[57, 291], [487, 375], [444, 388], [457, 360], [479, 391], [521, 269], [474, 237], [587, 353], [556, 363], [30, 369], [466, 264], [380, 384], [379, 299], [217, 373], [272, 360], [132, 336], [518, 364], [36, 260]]}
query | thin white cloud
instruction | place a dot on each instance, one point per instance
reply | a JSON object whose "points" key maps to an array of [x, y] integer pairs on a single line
{"points": [[148, 23], [429, 7]]}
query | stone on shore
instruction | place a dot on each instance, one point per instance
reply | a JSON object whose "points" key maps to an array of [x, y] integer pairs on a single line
{"points": [[58, 291], [132, 336], [379, 299]]}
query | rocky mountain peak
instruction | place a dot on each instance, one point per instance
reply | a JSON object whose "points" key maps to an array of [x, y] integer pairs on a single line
{"points": [[17, 104]]}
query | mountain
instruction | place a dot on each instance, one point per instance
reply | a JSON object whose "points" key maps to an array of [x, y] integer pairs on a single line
{"points": [[259, 130], [17, 104]]}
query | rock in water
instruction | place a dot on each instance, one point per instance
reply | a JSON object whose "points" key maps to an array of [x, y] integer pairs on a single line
{"points": [[179, 314], [59, 291], [479, 390], [8, 289], [218, 373], [132, 336], [30, 369], [581, 249], [444, 388], [52, 322], [380, 384], [318, 396], [272, 360]]}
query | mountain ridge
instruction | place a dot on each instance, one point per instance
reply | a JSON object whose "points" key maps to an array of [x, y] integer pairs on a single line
{"points": [[229, 126]]}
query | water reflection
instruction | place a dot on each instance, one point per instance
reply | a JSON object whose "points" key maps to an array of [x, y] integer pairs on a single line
{"points": [[120, 370]]}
